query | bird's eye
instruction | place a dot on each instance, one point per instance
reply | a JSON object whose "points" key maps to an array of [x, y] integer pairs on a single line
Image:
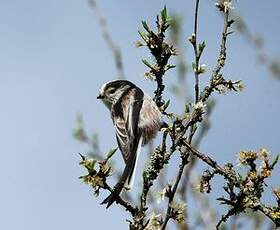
{"points": [[112, 91]]}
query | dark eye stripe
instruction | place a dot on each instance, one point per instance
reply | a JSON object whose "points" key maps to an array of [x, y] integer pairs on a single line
{"points": [[111, 91]]}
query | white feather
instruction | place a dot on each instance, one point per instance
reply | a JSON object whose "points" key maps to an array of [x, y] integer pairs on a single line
{"points": [[129, 183], [130, 128]]}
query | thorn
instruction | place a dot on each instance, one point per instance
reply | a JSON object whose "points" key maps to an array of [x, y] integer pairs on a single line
{"points": [[83, 158], [228, 33]]}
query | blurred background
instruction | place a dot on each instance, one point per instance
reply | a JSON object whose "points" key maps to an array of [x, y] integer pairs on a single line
{"points": [[53, 59]]}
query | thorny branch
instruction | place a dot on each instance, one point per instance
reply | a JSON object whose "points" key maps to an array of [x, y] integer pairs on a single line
{"points": [[171, 196], [258, 43], [161, 51], [96, 178], [254, 201], [108, 39], [122, 202], [242, 192], [197, 71], [197, 52], [217, 79]]}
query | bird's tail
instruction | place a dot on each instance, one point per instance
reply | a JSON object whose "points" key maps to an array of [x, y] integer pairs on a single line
{"points": [[130, 180]]}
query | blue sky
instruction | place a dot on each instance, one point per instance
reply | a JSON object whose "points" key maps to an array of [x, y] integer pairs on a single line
{"points": [[53, 60]]}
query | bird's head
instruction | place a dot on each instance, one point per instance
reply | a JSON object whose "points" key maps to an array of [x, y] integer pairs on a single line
{"points": [[112, 91]]}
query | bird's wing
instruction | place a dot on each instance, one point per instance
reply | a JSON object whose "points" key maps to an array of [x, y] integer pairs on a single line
{"points": [[126, 126], [129, 138], [122, 137]]}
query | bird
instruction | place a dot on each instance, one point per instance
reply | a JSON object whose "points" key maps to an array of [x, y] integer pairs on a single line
{"points": [[136, 119]]}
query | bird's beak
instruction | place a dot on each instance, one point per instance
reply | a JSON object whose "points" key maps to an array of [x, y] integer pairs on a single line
{"points": [[100, 96]]}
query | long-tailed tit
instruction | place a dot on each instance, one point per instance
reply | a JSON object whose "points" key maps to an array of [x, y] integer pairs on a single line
{"points": [[136, 119]]}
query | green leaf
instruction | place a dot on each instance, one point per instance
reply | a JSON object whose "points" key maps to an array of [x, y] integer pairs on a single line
{"points": [[88, 164], [111, 153], [145, 176], [201, 70], [240, 176], [166, 105], [143, 35], [164, 14], [194, 128], [169, 20], [168, 67], [147, 63], [201, 46], [91, 168], [146, 27], [187, 108], [275, 161], [222, 200], [194, 66]]}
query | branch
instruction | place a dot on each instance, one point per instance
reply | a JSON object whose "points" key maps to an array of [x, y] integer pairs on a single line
{"points": [[109, 40], [161, 51], [197, 72], [96, 177], [197, 54], [215, 80], [254, 204], [120, 201], [171, 196], [208, 160]]}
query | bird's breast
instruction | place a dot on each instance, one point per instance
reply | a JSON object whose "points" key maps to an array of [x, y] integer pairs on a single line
{"points": [[149, 119]]}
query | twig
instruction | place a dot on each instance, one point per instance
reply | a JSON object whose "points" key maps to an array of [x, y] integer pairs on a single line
{"points": [[119, 200], [147, 181], [109, 40], [185, 160], [257, 42], [208, 90], [197, 56], [221, 59], [162, 51], [256, 203], [202, 132], [171, 196], [225, 217], [208, 160]]}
